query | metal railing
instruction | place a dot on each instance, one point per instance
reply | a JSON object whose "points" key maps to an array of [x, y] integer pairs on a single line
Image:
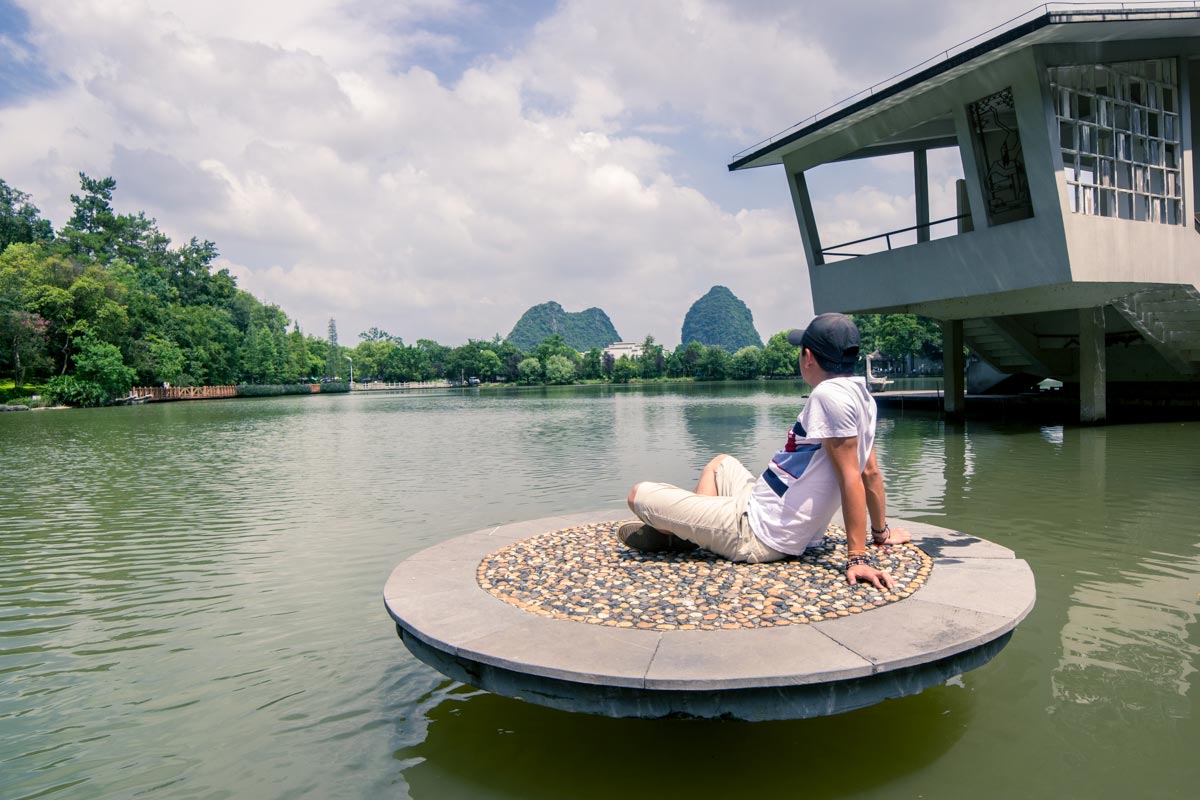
{"points": [[830, 251]]}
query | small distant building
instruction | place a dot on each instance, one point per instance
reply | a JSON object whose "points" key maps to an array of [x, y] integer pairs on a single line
{"points": [[1074, 253], [629, 349]]}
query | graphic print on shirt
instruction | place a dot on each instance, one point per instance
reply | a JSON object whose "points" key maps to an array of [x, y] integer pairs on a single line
{"points": [[790, 462], [797, 430]]}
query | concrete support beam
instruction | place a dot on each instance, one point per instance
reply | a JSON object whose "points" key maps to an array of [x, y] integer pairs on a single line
{"points": [[921, 185], [963, 206], [1092, 365], [953, 378], [804, 216]]}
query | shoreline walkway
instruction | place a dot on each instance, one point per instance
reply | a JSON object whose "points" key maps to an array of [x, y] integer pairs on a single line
{"points": [[1056, 406], [557, 612]]}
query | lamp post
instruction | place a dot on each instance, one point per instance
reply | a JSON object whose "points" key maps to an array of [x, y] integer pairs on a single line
{"points": [[351, 360]]}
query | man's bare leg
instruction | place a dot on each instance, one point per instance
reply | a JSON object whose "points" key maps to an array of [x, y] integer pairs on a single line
{"points": [[708, 477]]}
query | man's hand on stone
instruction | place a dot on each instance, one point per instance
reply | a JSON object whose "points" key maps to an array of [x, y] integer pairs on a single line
{"points": [[868, 574]]}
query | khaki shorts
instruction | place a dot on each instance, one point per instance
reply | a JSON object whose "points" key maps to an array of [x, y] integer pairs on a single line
{"points": [[718, 524]]}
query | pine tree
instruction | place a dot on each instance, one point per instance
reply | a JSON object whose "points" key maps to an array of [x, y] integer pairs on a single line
{"points": [[331, 363]]}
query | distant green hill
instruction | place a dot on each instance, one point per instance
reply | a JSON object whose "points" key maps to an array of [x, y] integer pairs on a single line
{"points": [[722, 319], [581, 330]]}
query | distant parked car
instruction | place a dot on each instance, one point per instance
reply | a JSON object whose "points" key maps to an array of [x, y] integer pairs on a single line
{"points": [[473, 381]]}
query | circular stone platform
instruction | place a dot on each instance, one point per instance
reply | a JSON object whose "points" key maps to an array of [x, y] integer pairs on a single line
{"points": [[558, 612], [584, 573]]}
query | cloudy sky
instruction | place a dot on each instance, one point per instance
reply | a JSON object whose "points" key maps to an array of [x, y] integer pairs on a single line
{"points": [[435, 167]]}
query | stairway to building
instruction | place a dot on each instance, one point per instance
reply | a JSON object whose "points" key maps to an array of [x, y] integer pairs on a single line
{"points": [[1168, 317], [993, 344]]}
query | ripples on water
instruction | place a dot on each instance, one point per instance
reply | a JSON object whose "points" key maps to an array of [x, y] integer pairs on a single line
{"points": [[190, 600]]}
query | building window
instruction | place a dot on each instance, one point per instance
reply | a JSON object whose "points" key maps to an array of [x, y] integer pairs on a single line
{"points": [[1001, 161], [1119, 130]]}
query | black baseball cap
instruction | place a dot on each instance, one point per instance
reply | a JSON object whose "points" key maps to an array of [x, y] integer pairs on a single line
{"points": [[833, 337]]}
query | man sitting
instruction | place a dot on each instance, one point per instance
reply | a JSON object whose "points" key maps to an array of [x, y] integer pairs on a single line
{"points": [[827, 462]]}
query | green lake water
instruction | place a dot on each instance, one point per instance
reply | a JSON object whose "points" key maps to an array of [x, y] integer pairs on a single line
{"points": [[190, 603]]}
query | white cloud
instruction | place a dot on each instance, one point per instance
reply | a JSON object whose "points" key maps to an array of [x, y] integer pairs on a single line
{"points": [[342, 174]]}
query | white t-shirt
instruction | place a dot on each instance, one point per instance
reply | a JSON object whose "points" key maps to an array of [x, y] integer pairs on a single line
{"points": [[797, 495]]}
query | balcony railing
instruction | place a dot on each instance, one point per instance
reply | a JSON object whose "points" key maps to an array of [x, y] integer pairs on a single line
{"points": [[832, 251]]}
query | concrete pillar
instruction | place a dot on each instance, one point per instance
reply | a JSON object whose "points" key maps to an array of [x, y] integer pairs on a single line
{"points": [[921, 185], [1092, 365], [953, 377], [804, 215], [963, 204]]}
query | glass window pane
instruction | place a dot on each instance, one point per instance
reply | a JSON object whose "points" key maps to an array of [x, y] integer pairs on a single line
{"points": [[1087, 170], [1158, 183], [1066, 136], [1141, 207], [1124, 205], [1108, 204]]}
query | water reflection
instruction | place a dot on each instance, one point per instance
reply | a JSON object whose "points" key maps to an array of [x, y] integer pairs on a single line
{"points": [[485, 746], [721, 427], [1126, 643]]}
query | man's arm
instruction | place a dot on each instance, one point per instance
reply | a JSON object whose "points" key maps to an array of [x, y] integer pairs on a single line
{"points": [[872, 480], [843, 455]]}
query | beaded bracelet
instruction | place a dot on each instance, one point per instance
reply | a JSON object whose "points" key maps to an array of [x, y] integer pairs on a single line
{"points": [[886, 533], [857, 559]]}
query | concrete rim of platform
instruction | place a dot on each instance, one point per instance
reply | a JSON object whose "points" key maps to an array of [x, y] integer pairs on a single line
{"points": [[974, 597]]}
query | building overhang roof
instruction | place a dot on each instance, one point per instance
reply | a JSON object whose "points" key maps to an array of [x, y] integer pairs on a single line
{"points": [[1043, 25]]}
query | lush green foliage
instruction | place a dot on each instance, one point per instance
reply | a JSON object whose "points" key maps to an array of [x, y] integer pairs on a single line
{"points": [[780, 359], [529, 371], [20, 220], [652, 363], [100, 375], [898, 335], [559, 369], [591, 366], [580, 330], [715, 364], [108, 302], [335, 387], [10, 391], [624, 369], [720, 318], [746, 364], [274, 389]]}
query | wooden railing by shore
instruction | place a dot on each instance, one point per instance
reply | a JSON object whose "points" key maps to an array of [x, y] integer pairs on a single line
{"points": [[153, 394], [147, 393]]}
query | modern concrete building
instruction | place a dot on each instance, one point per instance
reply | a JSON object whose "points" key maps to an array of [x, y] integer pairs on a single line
{"points": [[628, 349], [1075, 253]]}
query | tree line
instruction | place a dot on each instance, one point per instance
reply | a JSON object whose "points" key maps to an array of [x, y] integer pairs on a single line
{"points": [[380, 356], [107, 302]]}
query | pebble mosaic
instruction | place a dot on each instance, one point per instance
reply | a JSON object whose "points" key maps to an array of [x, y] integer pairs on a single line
{"points": [[585, 573]]}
